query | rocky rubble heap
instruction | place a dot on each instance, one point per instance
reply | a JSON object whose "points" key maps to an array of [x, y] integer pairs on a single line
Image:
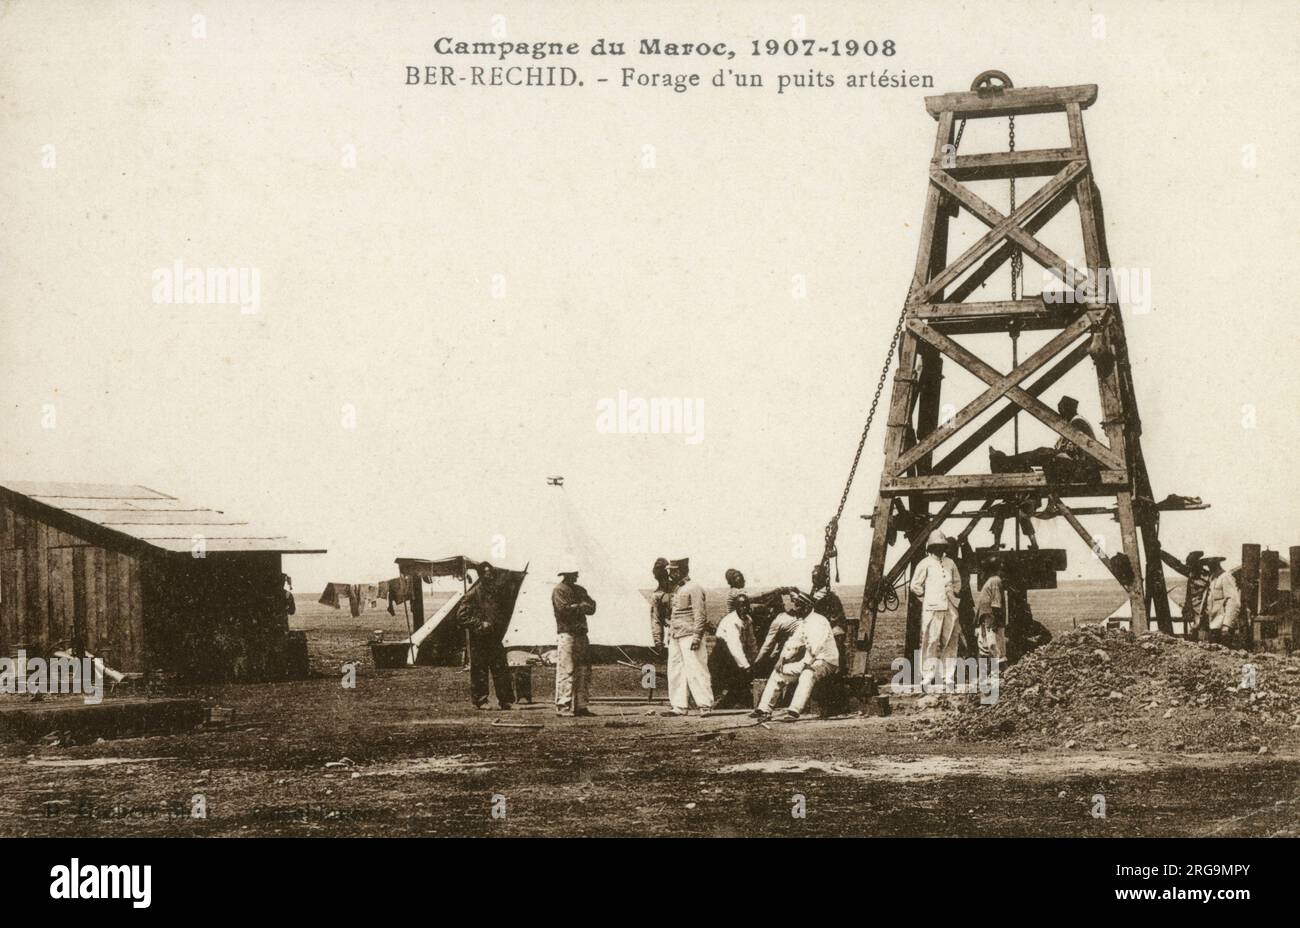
{"points": [[1105, 689]]}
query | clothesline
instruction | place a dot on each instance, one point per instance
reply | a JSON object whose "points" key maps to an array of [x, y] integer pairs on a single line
{"points": [[368, 595]]}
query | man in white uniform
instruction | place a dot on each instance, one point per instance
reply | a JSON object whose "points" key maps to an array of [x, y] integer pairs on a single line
{"points": [[688, 653], [937, 584]]}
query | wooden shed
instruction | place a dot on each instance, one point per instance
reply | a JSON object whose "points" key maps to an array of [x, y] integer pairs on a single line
{"points": [[145, 581]]}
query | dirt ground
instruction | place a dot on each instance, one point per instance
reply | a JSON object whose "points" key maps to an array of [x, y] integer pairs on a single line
{"points": [[404, 753]]}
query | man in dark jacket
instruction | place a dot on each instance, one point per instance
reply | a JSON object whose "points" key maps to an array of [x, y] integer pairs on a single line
{"points": [[485, 619], [572, 605]]}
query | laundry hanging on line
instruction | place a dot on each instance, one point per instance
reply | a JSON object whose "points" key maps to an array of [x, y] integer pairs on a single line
{"points": [[360, 596], [363, 596]]}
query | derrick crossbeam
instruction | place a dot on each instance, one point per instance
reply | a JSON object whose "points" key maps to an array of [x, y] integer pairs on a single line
{"points": [[922, 448]]}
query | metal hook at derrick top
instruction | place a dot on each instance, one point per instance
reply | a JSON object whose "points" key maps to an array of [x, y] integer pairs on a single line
{"points": [[983, 83]]}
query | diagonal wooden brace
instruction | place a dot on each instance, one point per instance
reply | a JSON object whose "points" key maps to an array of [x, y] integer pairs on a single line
{"points": [[990, 216], [1022, 214], [990, 396], [1030, 404]]}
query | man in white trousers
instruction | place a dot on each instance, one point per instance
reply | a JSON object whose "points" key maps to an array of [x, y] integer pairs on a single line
{"points": [[688, 653], [787, 633], [572, 604], [937, 584], [820, 657]]}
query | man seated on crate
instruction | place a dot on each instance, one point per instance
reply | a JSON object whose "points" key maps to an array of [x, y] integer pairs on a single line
{"points": [[817, 659], [808, 655]]}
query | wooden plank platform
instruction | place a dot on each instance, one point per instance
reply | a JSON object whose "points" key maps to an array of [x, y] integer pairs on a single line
{"points": [[22, 720]]}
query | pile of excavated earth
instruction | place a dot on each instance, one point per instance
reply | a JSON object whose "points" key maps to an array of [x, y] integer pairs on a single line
{"points": [[1095, 689]]}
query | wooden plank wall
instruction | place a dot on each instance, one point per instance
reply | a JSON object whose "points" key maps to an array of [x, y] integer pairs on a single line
{"points": [[52, 582], [219, 618]]}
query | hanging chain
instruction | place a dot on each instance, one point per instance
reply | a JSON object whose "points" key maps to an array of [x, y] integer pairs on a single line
{"points": [[1017, 256], [833, 527]]}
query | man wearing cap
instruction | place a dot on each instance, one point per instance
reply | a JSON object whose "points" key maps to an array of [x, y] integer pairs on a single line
{"points": [[486, 622], [936, 583], [731, 668], [571, 605], [1065, 461], [688, 655], [661, 602], [1222, 602]]}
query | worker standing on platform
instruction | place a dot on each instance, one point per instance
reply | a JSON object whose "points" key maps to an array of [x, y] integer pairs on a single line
{"points": [[572, 605], [936, 583], [1222, 603], [688, 653]]}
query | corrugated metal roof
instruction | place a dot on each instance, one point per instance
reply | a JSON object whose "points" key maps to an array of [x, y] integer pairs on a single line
{"points": [[156, 518]]}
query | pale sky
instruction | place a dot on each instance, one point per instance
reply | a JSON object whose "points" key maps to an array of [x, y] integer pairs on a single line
{"points": [[128, 142]]}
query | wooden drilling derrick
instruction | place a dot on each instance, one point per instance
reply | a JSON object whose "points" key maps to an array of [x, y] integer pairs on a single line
{"points": [[1086, 328]]}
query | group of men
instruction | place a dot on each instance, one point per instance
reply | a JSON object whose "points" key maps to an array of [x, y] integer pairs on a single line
{"points": [[803, 643], [485, 616], [712, 666]]}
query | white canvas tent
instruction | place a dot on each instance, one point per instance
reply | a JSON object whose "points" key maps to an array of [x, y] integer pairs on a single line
{"points": [[562, 542], [1122, 617]]}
